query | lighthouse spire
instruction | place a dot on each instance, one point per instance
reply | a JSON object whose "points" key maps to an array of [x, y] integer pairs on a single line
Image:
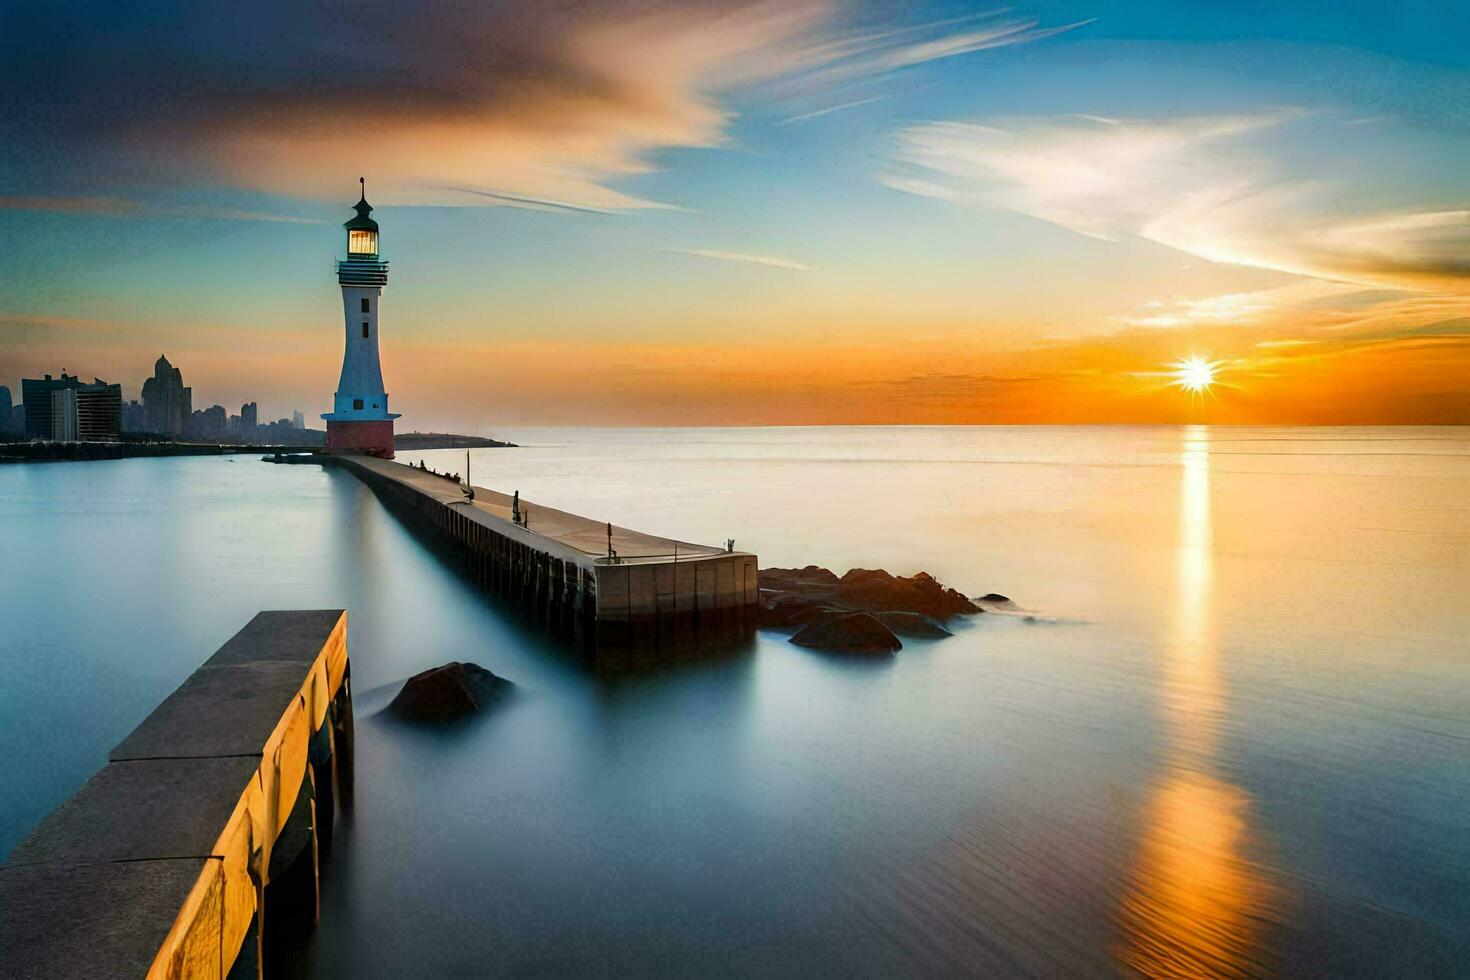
{"points": [[360, 420]]}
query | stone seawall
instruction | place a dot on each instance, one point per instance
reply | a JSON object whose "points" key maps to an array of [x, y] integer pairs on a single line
{"points": [[214, 810]]}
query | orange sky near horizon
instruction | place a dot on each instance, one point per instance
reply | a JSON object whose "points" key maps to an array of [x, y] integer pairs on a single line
{"points": [[1120, 378]]}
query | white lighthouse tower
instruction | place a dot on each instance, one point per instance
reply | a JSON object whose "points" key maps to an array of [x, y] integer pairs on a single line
{"points": [[360, 420]]}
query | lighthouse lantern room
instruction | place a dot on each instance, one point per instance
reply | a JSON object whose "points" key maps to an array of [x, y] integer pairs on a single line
{"points": [[360, 420]]}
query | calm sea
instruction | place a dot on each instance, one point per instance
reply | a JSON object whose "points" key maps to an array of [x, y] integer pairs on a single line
{"points": [[1232, 736]]}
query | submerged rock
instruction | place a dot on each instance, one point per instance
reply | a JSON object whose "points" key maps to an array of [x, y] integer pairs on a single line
{"points": [[915, 625], [815, 614], [863, 611], [853, 632], [454, 690]]}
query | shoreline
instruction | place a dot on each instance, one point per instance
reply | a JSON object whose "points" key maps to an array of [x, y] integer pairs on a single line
{"points": [[82, 452], [415, 441], [64, 452]]}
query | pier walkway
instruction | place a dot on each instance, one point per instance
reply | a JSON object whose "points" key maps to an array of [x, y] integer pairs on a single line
{"points": [[164, 862], [579, 533], [655, 590]]}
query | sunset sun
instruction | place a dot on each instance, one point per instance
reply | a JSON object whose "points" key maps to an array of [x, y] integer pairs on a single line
{"points": [[1194, 374]]}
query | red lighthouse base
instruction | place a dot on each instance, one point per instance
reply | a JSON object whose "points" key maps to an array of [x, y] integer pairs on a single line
{"points": [[374, 438]]}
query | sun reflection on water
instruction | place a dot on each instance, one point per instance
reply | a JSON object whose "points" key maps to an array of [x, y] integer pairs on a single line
{"points": [[1194, 903]]}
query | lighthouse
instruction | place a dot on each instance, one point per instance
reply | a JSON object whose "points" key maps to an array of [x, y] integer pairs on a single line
{"points": [[359, 420]]}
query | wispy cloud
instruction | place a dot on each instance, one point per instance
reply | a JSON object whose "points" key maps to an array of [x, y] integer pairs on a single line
{"points": [[1205, 185], [1001, 35], [1100, 176], [532, 203], [845, 58], [772, 261], [1307, 313], [834, 108], [1239, 309]]}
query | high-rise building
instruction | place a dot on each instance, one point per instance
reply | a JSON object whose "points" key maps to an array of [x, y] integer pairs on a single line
{"points": [[298, 420], [134, 417], [65, 409], [36, 396], [167, 401], [63, 414], [5, 407], [360, 419], [99, 411], [208, 425], [248, 418]]}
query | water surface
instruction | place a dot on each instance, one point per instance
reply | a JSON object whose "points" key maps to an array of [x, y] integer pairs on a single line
{"points": [[1232, 738]]}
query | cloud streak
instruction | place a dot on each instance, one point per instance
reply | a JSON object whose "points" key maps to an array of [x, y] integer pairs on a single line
{"points": [[1205, 185], [840, 107], [532, 203], [877, 54], [770, 261]]}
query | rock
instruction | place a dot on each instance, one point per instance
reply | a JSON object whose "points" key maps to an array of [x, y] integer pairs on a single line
{"points": [[915, 625], [872, 576], [868, 589], [772, 615], [993, 597], [797, 579], [816, 614], [454, 690], [786, 609], [854, 632]]}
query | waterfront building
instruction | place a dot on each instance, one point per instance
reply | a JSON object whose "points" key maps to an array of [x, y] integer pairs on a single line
{"points": [[208, 425], [36, 396], [66, 410], [166, 399], [63, 414], [5, 407], [298, 420], [360, 419], [282, 433], [249, 415], [134, 417], [99, 411]]}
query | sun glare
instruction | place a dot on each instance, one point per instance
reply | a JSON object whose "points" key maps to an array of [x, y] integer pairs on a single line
{"points": [[1194, 374]]}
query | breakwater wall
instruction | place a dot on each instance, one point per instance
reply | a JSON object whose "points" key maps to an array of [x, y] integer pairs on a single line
{"points": [[211, 814], [611, 589], [64, 452]]}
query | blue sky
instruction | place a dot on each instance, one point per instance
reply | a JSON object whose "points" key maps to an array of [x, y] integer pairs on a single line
{"points": [[755, 205]]}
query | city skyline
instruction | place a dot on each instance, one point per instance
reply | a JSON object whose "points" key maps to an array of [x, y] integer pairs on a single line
{"points": [[99, 411], [753, 213]]}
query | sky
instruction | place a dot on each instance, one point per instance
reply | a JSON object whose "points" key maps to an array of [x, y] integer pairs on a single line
{"points": [[751, 213]]}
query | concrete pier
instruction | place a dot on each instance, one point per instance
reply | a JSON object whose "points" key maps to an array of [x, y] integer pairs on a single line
{"points": [[211, 812], [656, 593]]}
